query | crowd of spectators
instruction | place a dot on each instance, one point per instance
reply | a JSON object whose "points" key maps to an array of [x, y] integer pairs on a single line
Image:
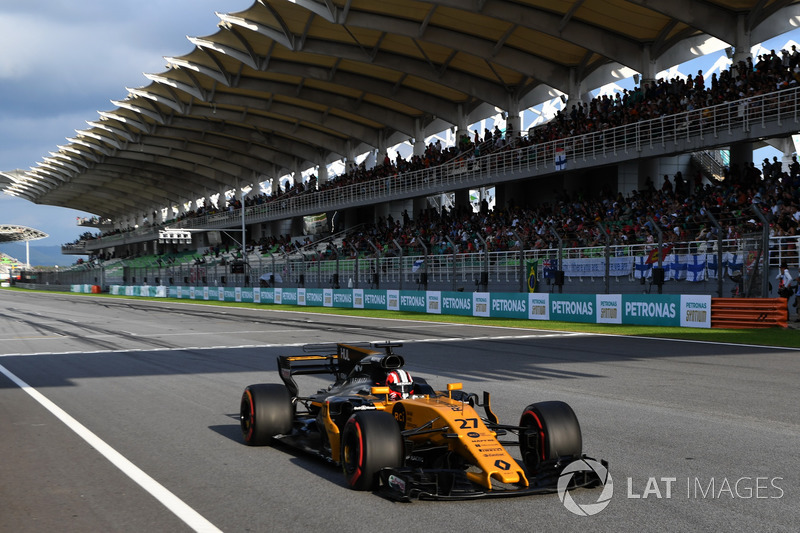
{"points": [[679, 209]]}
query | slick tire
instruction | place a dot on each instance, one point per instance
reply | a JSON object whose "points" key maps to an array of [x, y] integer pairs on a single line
{"points": [[556, 433], [265, 411], [371, 441]]}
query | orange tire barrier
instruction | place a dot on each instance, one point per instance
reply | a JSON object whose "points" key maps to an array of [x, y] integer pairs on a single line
{"points": [[96, 289], [744, 313]]}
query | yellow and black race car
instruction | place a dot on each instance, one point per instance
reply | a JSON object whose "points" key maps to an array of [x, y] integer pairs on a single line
{"points": [[408, 441]]}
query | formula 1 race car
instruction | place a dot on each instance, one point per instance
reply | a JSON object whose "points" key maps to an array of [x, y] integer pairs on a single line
{"points": [[408, 441]]}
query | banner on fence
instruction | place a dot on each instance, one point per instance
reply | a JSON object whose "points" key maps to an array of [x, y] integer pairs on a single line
{"points": [[596, 267], [532, 280]]}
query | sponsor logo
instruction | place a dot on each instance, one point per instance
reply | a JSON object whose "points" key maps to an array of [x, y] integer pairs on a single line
{"points": [[608, 312], [412, 301], [516, 306], [651, 309], [571, 308], [696, 316], [457, 303], [379, 299]]}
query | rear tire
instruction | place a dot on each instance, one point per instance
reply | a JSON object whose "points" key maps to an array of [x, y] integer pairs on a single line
{"points": [[265, 411], [371, 441], [557, 433]]}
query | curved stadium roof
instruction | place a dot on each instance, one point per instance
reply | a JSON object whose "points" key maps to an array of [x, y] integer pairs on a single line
{"points": [[288, 85]]}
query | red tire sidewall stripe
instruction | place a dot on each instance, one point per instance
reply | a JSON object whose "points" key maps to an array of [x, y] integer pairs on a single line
{"points": [[250, 424], [541, 428], [360, 465]]}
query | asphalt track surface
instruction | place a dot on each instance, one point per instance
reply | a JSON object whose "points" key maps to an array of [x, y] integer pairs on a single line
{"points": [[145, 435]]}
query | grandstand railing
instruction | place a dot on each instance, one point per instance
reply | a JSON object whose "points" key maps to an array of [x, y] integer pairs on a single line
{"points": [[597, 147], [505, 270]]}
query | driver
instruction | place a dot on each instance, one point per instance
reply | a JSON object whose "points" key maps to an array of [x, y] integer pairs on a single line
{"points": [[400, 384]]}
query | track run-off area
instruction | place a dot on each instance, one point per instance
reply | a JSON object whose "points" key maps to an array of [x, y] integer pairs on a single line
{"points": [[122, 415]]}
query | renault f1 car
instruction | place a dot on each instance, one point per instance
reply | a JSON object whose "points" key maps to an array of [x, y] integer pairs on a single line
{"points": [[416, 443]]}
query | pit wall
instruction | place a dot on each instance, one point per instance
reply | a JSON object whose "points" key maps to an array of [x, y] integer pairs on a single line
{"points": [[681, 310]]}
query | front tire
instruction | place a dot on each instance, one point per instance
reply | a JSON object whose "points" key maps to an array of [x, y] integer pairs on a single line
{"points": [[550, 430], [265, 411], [371, 441]]}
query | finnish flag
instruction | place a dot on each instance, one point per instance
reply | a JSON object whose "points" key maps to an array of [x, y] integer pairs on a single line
{"points": [[734, 262], [677, 266], [696, 268], [712, 268], [642, 269]]}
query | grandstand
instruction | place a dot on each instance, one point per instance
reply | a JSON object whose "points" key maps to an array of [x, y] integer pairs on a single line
{"points": [[306, 126]]}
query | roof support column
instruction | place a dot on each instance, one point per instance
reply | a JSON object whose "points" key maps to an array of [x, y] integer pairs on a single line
{"points": [[647, 68], [419, 138], [383, 149], [350, 157], [462, 126], [513, 119], [575, 90], [742, 44], [222, 201], [322, 171], [297, 174], [273, 185]]}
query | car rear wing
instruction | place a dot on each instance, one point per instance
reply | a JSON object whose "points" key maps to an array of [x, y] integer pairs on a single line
{"points": [[348, 359]]}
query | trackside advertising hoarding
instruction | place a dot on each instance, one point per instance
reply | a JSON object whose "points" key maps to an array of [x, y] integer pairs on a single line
{"points": [[458, 303], [573, 307], [691, 311]]}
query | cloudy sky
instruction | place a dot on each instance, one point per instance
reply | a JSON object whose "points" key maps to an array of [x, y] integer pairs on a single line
{"points": [[62, 61]]}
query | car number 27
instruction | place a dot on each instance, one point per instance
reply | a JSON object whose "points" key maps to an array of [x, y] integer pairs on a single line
{"points": [[467, 423]]}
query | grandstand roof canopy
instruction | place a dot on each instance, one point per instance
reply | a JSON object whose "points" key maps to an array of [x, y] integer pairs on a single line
{"points": [[287, 85], [10, 233]]}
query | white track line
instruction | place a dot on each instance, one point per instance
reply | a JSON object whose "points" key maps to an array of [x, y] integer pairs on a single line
{"points": [[191, 517]]}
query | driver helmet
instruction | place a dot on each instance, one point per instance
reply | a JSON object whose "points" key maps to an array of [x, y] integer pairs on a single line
{"points": [[400, 384]]}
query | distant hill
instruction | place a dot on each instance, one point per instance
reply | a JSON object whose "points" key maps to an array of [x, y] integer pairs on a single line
{"points": [[40, 255]]}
